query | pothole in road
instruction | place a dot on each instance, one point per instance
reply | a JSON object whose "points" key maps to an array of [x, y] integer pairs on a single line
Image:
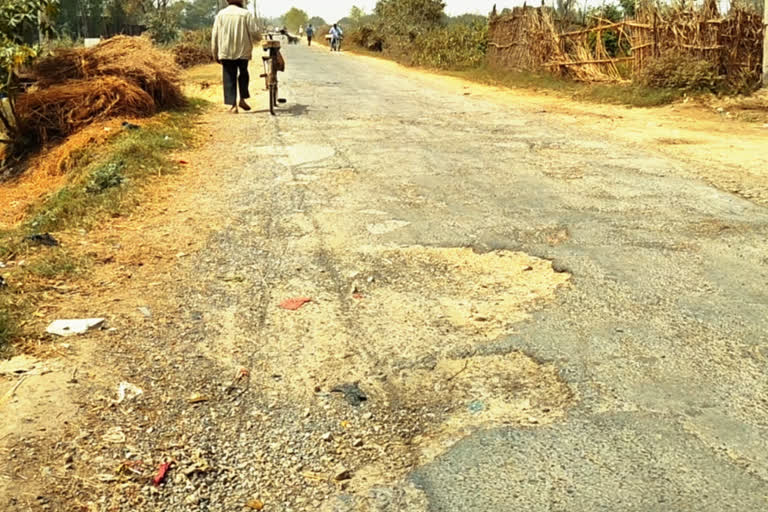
{"points": [[426, 292], [409, 325]]}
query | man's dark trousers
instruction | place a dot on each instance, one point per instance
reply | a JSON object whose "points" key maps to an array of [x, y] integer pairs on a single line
{"points": [[232, 80]]}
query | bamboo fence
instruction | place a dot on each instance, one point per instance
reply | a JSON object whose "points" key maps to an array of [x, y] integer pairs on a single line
{"points": [[528, 38]]}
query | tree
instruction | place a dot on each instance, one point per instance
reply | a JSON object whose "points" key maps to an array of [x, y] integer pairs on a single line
{"points": [[628, 6], [68, 20], [467, 19], [356, 15], [20, 22], [162, 19], [294, 19], [92, 17], [317, 21], [198, 14], [118, 18], [409, 17], [565, 8]]}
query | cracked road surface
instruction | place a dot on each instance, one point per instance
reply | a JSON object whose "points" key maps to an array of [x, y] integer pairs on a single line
{"points": [[541, 318]]}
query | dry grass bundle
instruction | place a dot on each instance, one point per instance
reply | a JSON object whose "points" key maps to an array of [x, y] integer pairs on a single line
{"points": [[524, 40], [730, 44], [61, 109], [129, 58], [188, 55]]}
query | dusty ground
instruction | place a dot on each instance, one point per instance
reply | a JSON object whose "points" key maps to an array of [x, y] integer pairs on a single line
{"points": [[542, 310]]}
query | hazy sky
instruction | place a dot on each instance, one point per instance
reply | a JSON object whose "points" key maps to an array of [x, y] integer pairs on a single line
{"points": [[333, 10]]}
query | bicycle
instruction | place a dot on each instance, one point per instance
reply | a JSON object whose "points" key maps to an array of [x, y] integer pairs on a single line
{"points": [[272, 64]]}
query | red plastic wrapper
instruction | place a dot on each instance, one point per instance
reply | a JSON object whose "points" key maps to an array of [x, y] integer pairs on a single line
{"points": [[161, 472], [295, 303]]}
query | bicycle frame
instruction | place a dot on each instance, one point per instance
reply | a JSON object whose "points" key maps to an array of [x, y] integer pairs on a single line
{"points": [[270, 70]]}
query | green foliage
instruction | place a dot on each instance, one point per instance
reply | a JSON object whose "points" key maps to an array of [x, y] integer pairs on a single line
{"points": [[317, 21], [366, 37], [197, 14], [20, 21], [418, 33], [683, 72], [611, 12], [104, 177], [132, 157], [408, 18], [163, 26], [628, 7], [356, 16], [467, 19], [295, 18], [456, 46]]}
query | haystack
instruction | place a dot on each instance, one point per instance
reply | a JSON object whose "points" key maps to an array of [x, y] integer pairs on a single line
{"points": [[62, 109], [131, 58], [123, 76]]}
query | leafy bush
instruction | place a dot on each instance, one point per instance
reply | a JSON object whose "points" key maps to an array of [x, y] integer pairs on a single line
{"points": [[683, 72], [194, 48], [414, 32], [454, 47], [366, 37], [18, 19], [163, 26], [200, 37], [105, 177], [408, 18]]}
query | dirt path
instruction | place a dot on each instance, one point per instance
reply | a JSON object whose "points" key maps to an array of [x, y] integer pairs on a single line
{"points": [[507, 308]]}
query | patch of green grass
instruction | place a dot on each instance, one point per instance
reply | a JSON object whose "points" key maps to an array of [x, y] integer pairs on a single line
{"points": [[57, 263], [615, 93], [103, 185], [105, 177]]}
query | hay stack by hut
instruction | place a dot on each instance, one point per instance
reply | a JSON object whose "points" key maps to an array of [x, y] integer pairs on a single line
{"points": [[121, 76]]}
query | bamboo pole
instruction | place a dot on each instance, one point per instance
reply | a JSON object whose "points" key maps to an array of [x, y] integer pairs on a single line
{"points": [[593, 61], [765, 43]]}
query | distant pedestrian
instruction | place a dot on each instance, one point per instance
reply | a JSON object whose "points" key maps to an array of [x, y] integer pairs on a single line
{"points": [[232, 40], [310, 34]]}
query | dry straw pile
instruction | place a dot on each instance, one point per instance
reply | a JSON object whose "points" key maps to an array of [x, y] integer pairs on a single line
{"points": [[123, 76], [188, 55]]}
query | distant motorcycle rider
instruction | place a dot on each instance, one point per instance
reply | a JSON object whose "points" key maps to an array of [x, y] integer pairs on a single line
{"points": [[336, 34]]}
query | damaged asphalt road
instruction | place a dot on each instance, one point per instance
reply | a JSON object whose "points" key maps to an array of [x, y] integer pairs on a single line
{"points": [[629, 374]]}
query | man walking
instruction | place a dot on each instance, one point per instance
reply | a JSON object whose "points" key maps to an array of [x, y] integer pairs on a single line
{"points": [[310, 34], [232, 40]]}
